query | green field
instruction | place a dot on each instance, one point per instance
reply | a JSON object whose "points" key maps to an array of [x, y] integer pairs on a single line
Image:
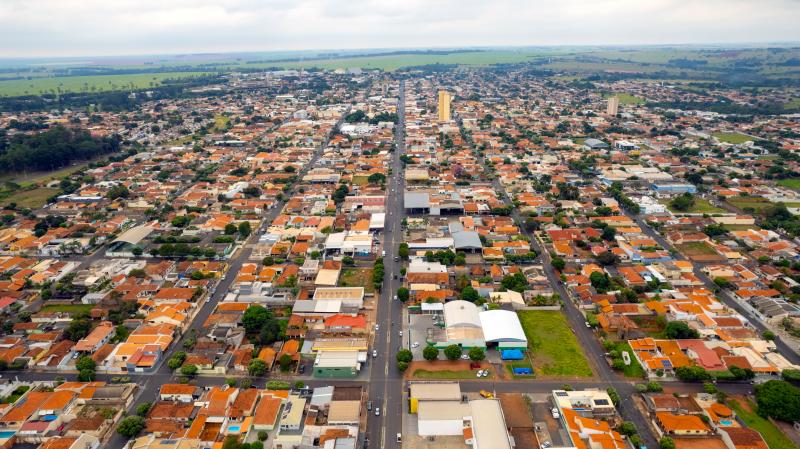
{"points": [[625, 98], [99, 83], [554, 349], [772, 435], [791, 183], [696, 249], [755, 202], [357, 277], [634, 369], [69, 308], [221, 123], [31, 199], [734, 138], [701, 206]]}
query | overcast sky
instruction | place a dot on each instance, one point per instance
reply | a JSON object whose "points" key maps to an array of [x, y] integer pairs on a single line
{"points": [[37, 28]]}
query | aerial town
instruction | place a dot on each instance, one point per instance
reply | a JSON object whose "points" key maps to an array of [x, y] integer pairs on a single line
{"points": [[345, 259]]}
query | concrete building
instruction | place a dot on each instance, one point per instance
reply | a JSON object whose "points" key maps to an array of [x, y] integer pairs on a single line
{"points": [[613, 106], [444, 106]]}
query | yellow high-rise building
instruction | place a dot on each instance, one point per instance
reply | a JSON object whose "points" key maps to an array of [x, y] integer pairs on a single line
{"points": [[444, 106], [613, 105]]}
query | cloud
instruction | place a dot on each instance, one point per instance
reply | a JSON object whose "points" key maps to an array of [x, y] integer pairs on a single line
{"points": [[119, 27]]}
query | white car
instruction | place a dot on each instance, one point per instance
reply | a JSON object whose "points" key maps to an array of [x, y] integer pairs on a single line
{"points": [[400, 333], [415, 344], [377, 411], [588, 325], [377, 326], [479, 373], [374, 353], [554, 412], [464, 357]]}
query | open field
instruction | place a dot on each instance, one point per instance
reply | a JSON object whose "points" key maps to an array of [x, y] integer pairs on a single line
{"points": [[625, 98], [357, 277], [69, 308], [772, 435], [755, 202], [100, 83], [555, 350], [31, 199], [791, 183], [221, 123], [696, 249], [701, 206], [734, 138]]}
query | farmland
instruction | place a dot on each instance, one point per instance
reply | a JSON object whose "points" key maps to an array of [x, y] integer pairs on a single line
{"points": [[100, 83], [555, 350]]}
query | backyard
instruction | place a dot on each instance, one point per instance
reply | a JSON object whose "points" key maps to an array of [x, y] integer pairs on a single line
{"points": [[555, 350], [772, 435]]}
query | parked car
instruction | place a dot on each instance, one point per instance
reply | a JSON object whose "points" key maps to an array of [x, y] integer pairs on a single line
{"points": [[377, 326], [369, 406], [479, 373], [554, 412], [377, 411], [415, 344], [399, 438], [464, 357], [588, 325], [400, 333]]}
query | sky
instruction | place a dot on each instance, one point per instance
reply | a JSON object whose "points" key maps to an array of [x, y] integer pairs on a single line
{"points": [[52, 28]]}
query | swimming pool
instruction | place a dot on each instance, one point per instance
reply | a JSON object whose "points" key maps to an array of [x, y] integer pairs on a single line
{"points": [[7, 433], [725, 422], [234, 428]]}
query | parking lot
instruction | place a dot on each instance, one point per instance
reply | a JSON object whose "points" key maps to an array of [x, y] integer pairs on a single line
{"points": [[418, 332]]}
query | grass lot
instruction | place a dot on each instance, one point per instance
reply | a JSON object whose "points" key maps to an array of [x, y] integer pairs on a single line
{"points": [[701, 206], [634, 369], [69, 308], [98, 83], [221, 123], [30, 179], [734, 138], [360, 180], [739, 227], [445, 374], [696, 249], [792, 183], [32, 199], [772, 435], [357, 277], [625, 98], [755, 202], [555, 350]]}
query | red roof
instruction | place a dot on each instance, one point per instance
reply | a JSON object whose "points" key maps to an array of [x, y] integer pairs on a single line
{"points": [[358, 321]]}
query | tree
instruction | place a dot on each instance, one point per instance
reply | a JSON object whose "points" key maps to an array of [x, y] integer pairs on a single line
{"points": [[607, 258], [558, 263], [453, 352], [515, 282], [130, 426], [627, 428], [679, 330], [230, 229], [285, 362], [470, 294], [476, 354], [376, 178], [402, 294], [244, 229], [692, 374], [85, 363], [86, 375], [189, 370], [143, 408], [78, 328], [778, 399], [117, 191], [768, 335], [257, 368], [599, 280], [683, 202], [404, 355], [609, 232], [402, 366], [666, 443], [254, 318], [430, 353], [402, 251]]}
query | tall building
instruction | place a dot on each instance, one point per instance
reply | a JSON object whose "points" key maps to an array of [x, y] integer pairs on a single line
{"points": [[444, 106], [613, 105]]}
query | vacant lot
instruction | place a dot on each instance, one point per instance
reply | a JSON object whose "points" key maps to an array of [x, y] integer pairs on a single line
{"points": [[772, 435], [626, 98], [31, 199], [756, 203], [734, 138], [98, 83], [634, 369], [69, 308], [701, 206], [357, 277], [555, 350], [792, 183], [696, 249]]}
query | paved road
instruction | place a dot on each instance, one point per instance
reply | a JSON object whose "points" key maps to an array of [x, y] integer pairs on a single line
{"points": [[386, 383]]}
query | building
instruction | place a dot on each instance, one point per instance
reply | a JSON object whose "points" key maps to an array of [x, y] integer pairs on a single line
{"points": [[337, 364], [444, 106], [613, 106]]}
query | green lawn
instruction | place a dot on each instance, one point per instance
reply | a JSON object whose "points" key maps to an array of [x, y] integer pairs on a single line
{"points": [[462, 374], [221, 123], [701, 206], [357, 277], [734, 138], [696, 249], [772, 435], [792, 183], [554, 349], [634, 369], [93, 83], [69, 308], [32, 199]]}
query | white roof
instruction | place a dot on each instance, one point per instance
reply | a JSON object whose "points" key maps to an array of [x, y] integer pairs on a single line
{"points": [[461, 313], [502, 325], [489, 424]]}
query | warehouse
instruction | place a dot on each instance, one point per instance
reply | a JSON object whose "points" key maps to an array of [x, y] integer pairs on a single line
{"points": [[502, 328]]}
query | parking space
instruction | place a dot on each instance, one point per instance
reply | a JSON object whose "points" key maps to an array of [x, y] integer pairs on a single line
{"points": [[418, 333], [548, 428]]}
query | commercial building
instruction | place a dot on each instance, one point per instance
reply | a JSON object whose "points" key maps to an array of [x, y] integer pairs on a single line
{"points": [[444, 106]]}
